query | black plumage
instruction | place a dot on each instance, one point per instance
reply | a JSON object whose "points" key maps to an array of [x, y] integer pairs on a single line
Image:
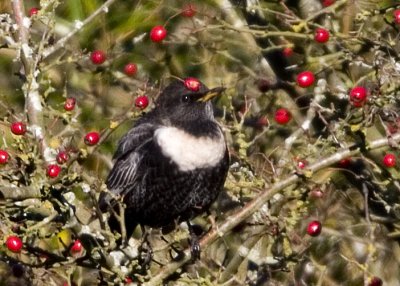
{"points": [[173, 163]]}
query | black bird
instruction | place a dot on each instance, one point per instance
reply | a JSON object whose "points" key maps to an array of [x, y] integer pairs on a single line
{"points": [[173, 163]]}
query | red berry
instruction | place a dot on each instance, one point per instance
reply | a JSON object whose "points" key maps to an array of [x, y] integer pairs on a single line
{"points": [[262, 121], [282, 116], [392, 127], [192, 84], [130, 69], [98, 57], [375, 281], [77, 246], [16, 228], [141, 102], [301, 163], [396, 14], [18, 128], [243, 109], [33, 11], [69, 103], [287, 52], [358, 96], [316, 193], [327, 3], [344, 163], [305, 79], [53, 170], [92, 138], [14, 243], [62, 157], [314, 228], [321, 35], [128, 280], [389, 160], [158, 33], [3, 156], [358, 93], [189, 10], [264, 85]]}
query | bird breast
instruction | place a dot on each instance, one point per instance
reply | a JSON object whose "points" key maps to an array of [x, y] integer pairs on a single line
{"points": [[189, 152]]}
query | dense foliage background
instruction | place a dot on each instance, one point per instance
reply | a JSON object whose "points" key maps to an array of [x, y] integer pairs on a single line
{"points": [[326, 164]]}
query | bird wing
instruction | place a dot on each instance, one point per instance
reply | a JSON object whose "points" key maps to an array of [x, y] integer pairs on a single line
{"points": [[136, 137], [127, 160]]}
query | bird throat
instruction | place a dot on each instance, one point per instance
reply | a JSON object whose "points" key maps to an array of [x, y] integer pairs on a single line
{"points": [[189, 152]]}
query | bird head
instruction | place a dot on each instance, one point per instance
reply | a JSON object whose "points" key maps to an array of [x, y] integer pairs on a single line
{"points": [[188, 103]]}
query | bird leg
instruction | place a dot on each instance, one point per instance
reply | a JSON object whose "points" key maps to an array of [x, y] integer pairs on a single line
{"points": [[195, 249], [121, 219], [145, 251]]}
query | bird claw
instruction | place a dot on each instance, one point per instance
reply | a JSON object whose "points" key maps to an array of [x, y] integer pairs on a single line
{"points": [[195, 249], [145, 254]]}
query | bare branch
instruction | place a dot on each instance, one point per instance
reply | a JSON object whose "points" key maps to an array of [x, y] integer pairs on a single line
{"points": [[33, 104]]}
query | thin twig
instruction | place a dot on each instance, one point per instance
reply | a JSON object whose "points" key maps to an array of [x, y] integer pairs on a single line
{"points": [[289, 141], [241, 254], [78, 26], [43, 222]]}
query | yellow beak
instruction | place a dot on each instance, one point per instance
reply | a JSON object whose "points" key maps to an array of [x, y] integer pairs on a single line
{"points": [[211, 94]]}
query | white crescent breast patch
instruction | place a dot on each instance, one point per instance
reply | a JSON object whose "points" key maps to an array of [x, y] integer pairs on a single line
{"points": [[187, 151]]}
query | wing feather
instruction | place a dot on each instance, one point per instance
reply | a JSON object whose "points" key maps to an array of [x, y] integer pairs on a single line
{"points": [[123, 172], [128, 158], [135, 138]]}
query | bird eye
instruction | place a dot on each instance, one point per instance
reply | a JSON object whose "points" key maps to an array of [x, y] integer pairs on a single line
{"points": [[186, 98]]}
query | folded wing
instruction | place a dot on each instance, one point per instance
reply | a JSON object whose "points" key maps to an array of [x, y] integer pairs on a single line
{"points": [[128, 157]]}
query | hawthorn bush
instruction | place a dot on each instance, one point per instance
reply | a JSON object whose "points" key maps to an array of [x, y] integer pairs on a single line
{"points": [[311, 116]]}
